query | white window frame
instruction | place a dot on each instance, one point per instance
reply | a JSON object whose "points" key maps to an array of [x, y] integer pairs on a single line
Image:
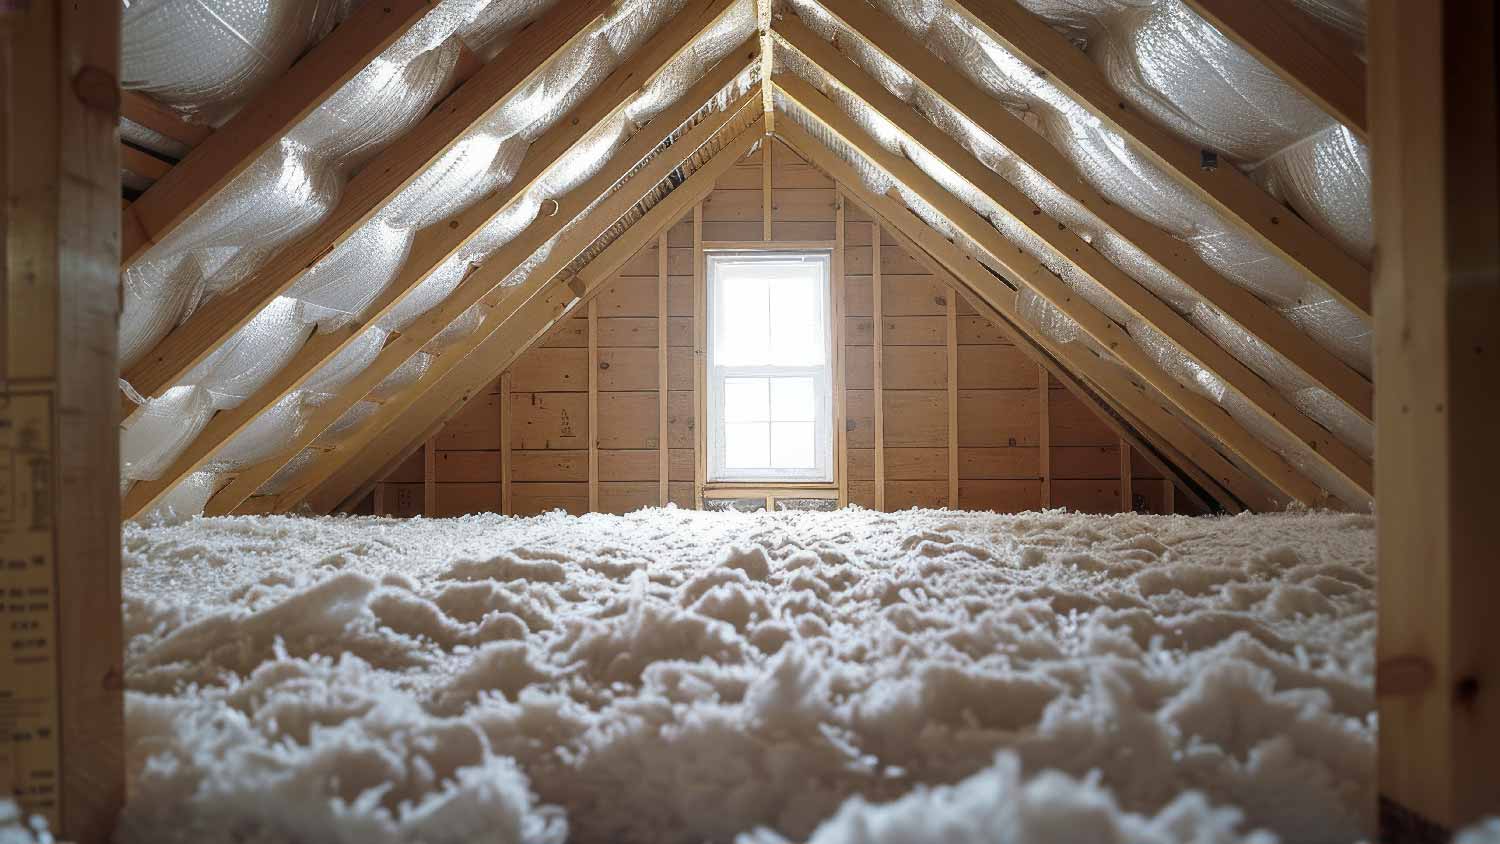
{"points": [[822, 375]]}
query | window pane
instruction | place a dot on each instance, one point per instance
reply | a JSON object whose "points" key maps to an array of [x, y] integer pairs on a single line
{"points": [[792, 400], [746, 445], [746, 400], [744, 323], [792, 445], [797, 318]]}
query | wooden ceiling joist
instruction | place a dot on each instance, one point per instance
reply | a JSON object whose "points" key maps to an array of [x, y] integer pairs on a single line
{"points": [[389, 436], [484, 286], [1199, 459], [369, 191], [438, 243], [220, 156], [1015, 262], [1307, 54], [1238, 304], [1140, 301], [1224, 188]]}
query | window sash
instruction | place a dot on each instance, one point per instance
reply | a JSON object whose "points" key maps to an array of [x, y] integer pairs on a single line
{"points": [[822, 377]]}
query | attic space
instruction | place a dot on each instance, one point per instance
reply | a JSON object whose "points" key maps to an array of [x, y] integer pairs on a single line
{"points": [[749, 421]]}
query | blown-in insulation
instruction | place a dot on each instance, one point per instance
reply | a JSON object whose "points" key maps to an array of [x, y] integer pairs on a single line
{"points": [[1148, 50], [338, 288]]}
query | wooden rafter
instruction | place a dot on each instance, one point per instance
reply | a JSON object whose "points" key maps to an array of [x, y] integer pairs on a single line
{"points": [[220, 156], [1309, 55], [483, 285], [938, 255], [139, 108], [370, 190], [1103, 330], [525, 327], [1126, 290], [436, 244], [966, 98], [1225, 188]]}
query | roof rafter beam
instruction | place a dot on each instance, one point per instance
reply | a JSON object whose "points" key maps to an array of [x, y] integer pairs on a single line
{"points": [[220, 156], [968, 100], [522, 328], [1303, 51], [369, 191], [1130, 293], [436, 244], [140, 108], [1014, 261], [1225, 188], [978, 279], [500, 302]]}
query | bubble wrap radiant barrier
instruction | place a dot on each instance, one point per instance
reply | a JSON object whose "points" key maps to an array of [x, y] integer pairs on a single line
{"points": [[209, 253]]}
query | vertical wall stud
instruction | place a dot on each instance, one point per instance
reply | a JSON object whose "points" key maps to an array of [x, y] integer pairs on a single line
{"points": [[765, 189], [1044, 433], [429, 477], [1127, 492], [505, 434], [593, 317], [663, 319], [878, 323], [61, 674], [951, 298], [700, 359], [1168, 497], [840, 426]]}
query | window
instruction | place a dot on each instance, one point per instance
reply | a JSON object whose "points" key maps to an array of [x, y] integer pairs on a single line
{"points": [[770, 397]]}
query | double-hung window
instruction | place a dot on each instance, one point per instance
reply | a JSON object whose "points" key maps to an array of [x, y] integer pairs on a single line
{"points": [[770, 372]]}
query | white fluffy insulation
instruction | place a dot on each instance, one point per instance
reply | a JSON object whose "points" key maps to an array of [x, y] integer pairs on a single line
{"points": [[676, 676]]}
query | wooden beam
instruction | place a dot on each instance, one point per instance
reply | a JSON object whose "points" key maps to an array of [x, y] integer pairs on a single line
{"points": [[765, 192], [506, 465], [366, 194], [1127, 494], [1235, 302], [324, 347], [1434, 88], [700, 360], [663, 320], [221, 156], [952, 332], [61, 672], [1044, 432], [948, 261], [425, 401], [1310, 56], [429, 478], [146, 111], [878, 318], [142, 164], [1103, 330], [838, 269], [1226, 189], [593, 320]]}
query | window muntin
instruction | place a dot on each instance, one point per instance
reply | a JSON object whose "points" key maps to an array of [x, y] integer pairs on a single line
{"points": [[770, 398]]}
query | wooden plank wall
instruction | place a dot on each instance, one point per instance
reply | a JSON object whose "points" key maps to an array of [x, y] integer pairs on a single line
{"points": [[997, 400]]}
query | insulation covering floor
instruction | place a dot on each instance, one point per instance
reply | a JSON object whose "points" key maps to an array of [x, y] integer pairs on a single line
{"points": [[674, 676]]}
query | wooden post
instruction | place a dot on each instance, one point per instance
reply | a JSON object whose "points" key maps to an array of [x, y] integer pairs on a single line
{"points": [[765, 189], [429, 477], [700, 360], [1044, 433], [663, 323], [505, 458], [840, 393], [1433, 89], [61, 674], [952, 329], [878, 324], [1168, 497], [1127, 494], [593, 316]]}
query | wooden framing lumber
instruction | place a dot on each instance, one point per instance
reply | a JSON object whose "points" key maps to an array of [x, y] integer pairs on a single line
{"points": [[142, 164], [1238, 304], [593, 340], [142, 109], [221, 156], [369, 191], [1127, 495], [1226, 189], [507, 466], [499, 348], [324, 347], [840, 352], [1434, 89], [700, 359], [877, 311], [62, 755], [968, 274], [1317, 61], [1044, 432], [1103, 330], [951, 326], [663, 321]]}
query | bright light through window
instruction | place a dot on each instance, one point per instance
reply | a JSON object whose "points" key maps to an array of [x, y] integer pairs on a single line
{"points": [[769, 363]]}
